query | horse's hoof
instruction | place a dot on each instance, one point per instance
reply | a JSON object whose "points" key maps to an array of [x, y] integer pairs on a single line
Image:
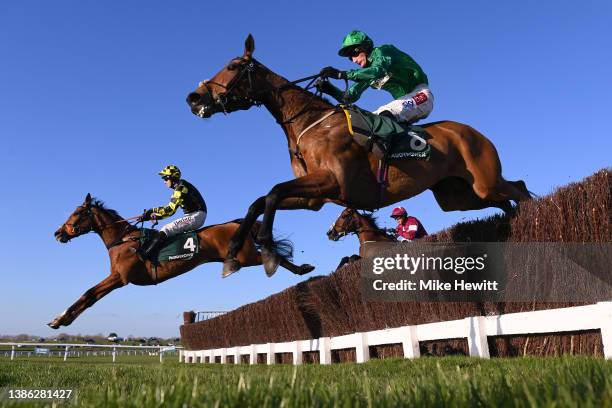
{"points": [[53, 325], [230, 266], [270, 260], [306, 268]]}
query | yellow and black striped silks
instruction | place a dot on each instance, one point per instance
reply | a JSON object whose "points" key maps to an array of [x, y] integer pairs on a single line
{"points": [[186, 196]]}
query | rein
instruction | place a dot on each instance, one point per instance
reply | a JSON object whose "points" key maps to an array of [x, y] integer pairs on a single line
{"points": [[98, 229]]}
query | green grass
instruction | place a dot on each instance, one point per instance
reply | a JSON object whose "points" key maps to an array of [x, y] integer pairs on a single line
{"points": [[136, 381]]}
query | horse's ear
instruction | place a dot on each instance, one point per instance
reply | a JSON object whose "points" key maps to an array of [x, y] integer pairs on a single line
{"points": [[87, 199], [249, 47]]}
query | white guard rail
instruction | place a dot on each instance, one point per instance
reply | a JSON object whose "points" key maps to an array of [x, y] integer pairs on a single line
{"points": [[476, 329]]}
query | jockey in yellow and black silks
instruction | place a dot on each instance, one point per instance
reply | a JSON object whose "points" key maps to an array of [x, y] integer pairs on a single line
{"points": [[185, 196]]}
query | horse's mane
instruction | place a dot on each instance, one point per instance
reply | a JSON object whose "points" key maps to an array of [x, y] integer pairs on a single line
{"points": [[294, 86], [371, 218]]}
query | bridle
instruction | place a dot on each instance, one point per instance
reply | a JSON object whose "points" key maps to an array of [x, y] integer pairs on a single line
{"points": [[223, 98], [76, 229], [357, 230], [251, 99]]}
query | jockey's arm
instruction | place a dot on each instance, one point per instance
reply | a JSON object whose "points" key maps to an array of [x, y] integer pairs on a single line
{"points": [[169, 210], [352, 95], [378, 68]]}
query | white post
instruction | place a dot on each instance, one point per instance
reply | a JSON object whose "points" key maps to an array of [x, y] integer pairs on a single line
{"points": [[161, 355], [270, 354], [66, 353], [297, 352], [180, 353], [606, 328], [211, 356], [114, 353], [477, 336], [12, 352], [252, 355], [410, 342], [223, 355], [236, 355], [324, 350], [362, 350]]}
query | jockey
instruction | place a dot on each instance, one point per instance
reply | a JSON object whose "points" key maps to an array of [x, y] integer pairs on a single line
{"points": [[408, 227], [185, 196], [384, 67]]}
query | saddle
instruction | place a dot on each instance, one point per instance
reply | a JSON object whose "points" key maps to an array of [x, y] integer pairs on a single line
{"points": [[406, 141], [179, 247]]}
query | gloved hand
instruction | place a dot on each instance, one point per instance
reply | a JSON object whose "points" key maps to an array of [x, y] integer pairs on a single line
{"points": [[146, 216], [331, 72], [323, 85]]}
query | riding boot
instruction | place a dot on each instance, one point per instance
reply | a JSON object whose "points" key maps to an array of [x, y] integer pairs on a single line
{"points": [[153, 245], [385, 142]]}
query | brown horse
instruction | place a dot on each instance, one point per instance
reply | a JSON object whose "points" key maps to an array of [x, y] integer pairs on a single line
{"points": [[464, 171], [121, 238], [364, 226]]}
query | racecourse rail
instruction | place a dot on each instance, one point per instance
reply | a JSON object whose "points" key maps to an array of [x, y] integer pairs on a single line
{"points": [[476, 329], [65, 348]]}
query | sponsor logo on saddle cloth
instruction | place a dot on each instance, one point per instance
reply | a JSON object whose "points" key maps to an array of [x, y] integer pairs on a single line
{"points": [[409, 141], [180, 247]]}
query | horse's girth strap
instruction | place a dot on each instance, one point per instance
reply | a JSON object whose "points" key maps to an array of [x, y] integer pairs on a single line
{"points": [[313, 124]]}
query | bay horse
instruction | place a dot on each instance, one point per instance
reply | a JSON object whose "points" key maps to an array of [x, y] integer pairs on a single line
{"points": [[463, 172], [121, 238], [364, 226]]}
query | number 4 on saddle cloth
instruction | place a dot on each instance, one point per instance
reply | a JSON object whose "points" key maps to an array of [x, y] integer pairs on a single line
{"points": [[407, 141], [179, 247]]}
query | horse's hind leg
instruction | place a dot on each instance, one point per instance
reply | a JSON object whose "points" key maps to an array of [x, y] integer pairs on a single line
{"points": [[298, 270], [88, 298], [456, 194]]}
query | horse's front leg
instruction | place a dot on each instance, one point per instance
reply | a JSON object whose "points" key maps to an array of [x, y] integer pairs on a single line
{"points": [[88, 298], [231, 264], [318, 185]]}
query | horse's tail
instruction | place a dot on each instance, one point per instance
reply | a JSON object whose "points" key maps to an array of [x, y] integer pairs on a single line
{"points": [[283, 247]]}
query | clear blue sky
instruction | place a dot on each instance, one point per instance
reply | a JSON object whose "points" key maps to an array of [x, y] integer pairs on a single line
{"points": [[92, 99]]}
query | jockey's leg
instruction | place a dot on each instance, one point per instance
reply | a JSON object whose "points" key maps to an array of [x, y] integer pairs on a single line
{"points": [[411, 107], [188, 222]]}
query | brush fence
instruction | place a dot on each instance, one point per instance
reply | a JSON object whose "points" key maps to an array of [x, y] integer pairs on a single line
{"points": [[476, 329]]}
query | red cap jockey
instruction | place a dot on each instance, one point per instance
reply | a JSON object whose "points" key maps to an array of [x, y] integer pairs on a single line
{"points": [[408, 227]]}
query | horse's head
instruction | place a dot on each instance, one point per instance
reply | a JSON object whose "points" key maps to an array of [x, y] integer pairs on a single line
{"points": [[231, 89], [347, 223], [80, 222]]}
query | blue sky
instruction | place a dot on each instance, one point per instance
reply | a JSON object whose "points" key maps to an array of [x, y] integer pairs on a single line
{"points": [[92, 99]]}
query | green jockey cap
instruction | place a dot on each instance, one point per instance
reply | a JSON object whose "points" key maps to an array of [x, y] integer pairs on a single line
{"points": [[353, 40]]}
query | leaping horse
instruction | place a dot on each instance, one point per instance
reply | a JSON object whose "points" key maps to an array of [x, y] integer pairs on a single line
{"points": [[121, 238], [464, 170], [364, 226]]}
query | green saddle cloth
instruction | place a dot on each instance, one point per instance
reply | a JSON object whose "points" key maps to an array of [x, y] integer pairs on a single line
{"points": [[407, 141], [179, 247]]}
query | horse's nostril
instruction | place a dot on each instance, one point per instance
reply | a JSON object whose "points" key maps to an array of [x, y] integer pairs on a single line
{"points": [[193, 99]]}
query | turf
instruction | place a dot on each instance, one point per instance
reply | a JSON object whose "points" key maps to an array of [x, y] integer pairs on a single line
{"points": [[138, 381]]}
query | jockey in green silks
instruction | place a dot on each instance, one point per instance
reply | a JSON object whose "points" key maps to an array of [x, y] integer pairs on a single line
{"points": [[384, 67]]}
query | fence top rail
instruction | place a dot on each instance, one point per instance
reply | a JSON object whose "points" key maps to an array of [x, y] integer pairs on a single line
{"points": [[74, 345]]}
